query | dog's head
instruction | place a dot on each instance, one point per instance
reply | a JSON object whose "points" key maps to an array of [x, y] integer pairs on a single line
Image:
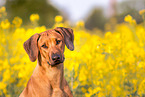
{"points": [[49, 45]]}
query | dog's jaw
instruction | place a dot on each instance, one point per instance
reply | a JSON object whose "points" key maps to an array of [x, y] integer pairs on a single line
{"points": [[54, 64]]}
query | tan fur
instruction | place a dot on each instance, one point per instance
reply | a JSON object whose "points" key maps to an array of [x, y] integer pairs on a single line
{"points": [[48, 79]]}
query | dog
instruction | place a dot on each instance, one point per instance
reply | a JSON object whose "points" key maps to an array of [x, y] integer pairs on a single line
{"points": [[48, 47]]}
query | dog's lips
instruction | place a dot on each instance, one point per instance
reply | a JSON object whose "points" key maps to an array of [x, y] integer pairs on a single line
{"points": [[55, 63]]}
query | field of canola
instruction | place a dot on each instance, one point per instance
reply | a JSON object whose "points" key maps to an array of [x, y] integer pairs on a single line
{"points": [[112, 65]]}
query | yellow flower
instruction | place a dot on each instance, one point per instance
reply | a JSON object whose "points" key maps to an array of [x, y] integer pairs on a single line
{"points": [[58, 18], [134, 21], [108, 34], [100, 94], [2, 9], [34, 17], [75, 85], [5, 24], [2, 85], [141, 12], [6, 75], [17, 21], [59, 25], [83, 90], [101, 64], [80, 23], [141, 64], [128, 18], [7, 95], [20, 75], [108, 87], [5, 91], [87, 95], [141, 88], [82, 75]]}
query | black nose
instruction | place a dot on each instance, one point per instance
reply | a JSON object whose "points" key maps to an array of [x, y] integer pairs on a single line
{"points": [[56, 57]]}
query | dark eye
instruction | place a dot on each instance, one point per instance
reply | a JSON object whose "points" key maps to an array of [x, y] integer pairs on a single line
{"points": [[58, 41], [44, 46]]}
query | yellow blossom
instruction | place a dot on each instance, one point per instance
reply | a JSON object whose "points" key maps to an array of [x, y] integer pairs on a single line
{"points": [[17, 21], [2, 9], [141, 12], [2, 85], [20, 75], [111, 65], [6, 75], [59, 25], [128, 18], [82, 75], [80, 23], [134, 21], [58, 18], [34, 17], [75, 84], [5, 24], [83, 90], [5, 91], [108, 34]]}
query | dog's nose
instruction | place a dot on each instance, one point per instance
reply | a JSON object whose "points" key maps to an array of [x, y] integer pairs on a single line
{"points": [[55, 57]]}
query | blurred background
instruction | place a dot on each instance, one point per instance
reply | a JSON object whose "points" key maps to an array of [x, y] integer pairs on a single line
{"points": [[109, 55], [95, 13]]}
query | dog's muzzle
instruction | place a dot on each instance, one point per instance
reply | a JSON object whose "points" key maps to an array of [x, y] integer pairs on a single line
{"points": [[56, 59]]}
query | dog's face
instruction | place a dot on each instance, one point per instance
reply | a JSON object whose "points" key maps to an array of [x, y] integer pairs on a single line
{"points": [[49, 45]]}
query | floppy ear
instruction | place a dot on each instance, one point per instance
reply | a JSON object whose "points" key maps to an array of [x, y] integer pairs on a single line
{"points": [[31, 47], [68, 36]]}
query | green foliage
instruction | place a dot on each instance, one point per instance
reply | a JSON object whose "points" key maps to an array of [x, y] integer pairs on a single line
{"points": [[96, 20], [24, 8]]}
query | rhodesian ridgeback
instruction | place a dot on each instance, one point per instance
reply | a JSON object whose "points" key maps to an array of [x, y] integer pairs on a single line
{"points": [[47, 47]]}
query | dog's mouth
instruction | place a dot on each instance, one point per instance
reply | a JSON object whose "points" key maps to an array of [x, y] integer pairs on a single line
{"points": [[55, 63]]}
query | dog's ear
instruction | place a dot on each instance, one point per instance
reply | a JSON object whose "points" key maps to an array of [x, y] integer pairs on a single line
{"points": [[31, 47], [68, 36]]}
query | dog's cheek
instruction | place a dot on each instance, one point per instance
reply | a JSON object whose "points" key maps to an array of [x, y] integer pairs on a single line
{"points": [[42, 52]]}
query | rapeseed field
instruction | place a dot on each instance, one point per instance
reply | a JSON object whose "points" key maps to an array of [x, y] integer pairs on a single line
{"points": [[102, 65]]}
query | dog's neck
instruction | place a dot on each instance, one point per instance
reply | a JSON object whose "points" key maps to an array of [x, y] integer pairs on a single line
{"points": [[49, 74]]}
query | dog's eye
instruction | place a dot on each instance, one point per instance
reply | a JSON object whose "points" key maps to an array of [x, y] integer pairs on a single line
{"points": [[44, 46], [58, 41]]}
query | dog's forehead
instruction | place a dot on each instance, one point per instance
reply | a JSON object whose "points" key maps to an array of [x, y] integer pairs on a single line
{"points": [[50, 34], [44, 36]]}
